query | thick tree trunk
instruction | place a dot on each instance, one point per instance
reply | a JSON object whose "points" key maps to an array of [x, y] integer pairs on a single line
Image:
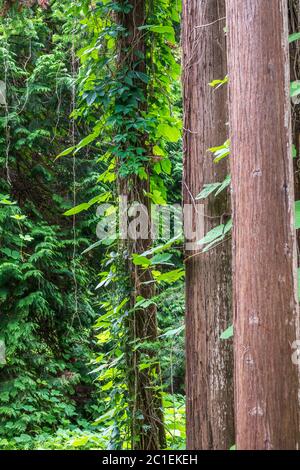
{"points": [[294, 27], [209, 362], [265, 293], [147, 424]]}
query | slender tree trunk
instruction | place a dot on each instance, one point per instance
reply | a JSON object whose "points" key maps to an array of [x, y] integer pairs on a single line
{"points": [[144, 384], [209, 362], [148, 432], [264, 259]]}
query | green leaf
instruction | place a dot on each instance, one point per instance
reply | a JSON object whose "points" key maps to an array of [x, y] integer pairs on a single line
{"points": [[6, 202], [11, 253], [107, 386], [220, 152], [91, 247], [212, 235], [26, 238], [18, 217], [297, 214], [167, 30], [295, 88], [156, 197], [212, 187], [143, 174], [142, 76], [215, 235], [139, 260], [80, 441], [65, 152], [224, 185], [77, 209], [87, 140], [227, 334], [170, 133], [166, 246], [166, 165], [217, 83], [158, 151], [173, 332], [169, 277], [208, 189], [161, 258], [294, 37], [143, 303], [161, 29], [145, 365]]}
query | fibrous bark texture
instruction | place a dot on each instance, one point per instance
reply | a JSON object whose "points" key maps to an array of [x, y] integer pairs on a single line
{"points": [[264, 260], [294, 27], [209, 363]]}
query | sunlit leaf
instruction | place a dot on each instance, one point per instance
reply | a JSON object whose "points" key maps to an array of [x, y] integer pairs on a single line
{"points": [[227, 334]]}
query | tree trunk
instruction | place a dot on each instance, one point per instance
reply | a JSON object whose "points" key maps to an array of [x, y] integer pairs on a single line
{"points": [[148, 432], [264, 258], [294, 27], [147, 427], [209, 362]]}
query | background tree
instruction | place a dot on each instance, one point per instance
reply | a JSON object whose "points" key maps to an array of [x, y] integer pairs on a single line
{"points": [[265, 293], [126, 97], [145, 396]]}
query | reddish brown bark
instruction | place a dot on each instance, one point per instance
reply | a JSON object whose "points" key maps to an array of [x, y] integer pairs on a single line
{"points": [[209, 363], [264, 260], [8, 4], [294, 27]]}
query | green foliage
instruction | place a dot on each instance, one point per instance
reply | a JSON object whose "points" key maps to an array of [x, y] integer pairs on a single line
{"points": [[218, 83], [294, 37], [67, 438], [297, 214], [45, 316], [295, 88], [215, 236], [133, 141], [46, 355], [220, 152], [170, 307], [215, 188], [227, 333], [48, 399]]}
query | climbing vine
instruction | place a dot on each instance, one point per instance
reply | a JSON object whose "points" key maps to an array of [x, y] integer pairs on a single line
{"points": [[134, 142]]}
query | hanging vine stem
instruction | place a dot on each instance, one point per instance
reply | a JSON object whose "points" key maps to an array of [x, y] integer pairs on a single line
{"points": [[73, 130], [6, 106], [7, 126], [58, 96], [27, 82]]}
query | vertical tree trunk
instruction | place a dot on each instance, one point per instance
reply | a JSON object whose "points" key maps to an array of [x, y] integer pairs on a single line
{"points": [[209, 364], [265, 293], [145, 395], [294, 27], [148, 432]]}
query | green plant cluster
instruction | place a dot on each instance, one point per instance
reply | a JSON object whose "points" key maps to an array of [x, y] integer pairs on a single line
{"points": [[47, 299], [112, 102], [68, 97]]}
